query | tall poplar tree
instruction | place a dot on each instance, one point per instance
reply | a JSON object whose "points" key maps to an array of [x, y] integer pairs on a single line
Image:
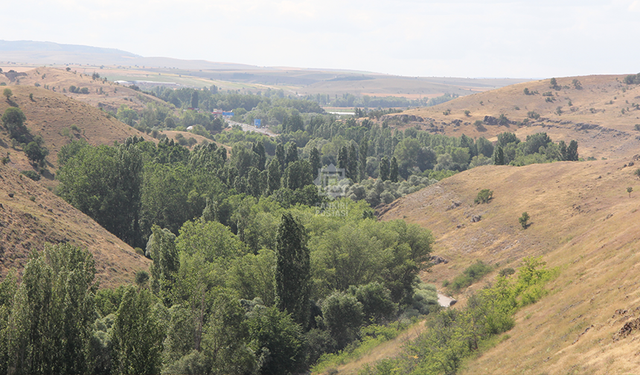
{"points": [[293, 269]]}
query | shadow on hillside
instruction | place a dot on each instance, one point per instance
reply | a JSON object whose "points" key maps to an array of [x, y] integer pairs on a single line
{"points": [[12, 103], [47, 174]]}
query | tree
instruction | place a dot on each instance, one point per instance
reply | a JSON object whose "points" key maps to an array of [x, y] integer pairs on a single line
{"points": [[35, 153], [291, 154], [629, 190], [161, 248], [276, 339], [297, 175], [523, 220], [384, 168], [352, 164], [377, 306], [342, 314], [576, 84], [194, 99], [293, 269], [484, 196], [393, 170], [554, 84], [7, 92], [52, 313], [364, 148], [105, 183], [273, 175], [316, 164], [280, 156], [13, 119], [137, 335], [572, 151]]}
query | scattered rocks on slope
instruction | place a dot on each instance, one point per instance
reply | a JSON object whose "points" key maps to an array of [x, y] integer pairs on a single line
{"points": [[437, 259]]}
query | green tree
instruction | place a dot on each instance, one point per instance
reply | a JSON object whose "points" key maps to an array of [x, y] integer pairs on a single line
{"points": [[7, 92], [13, 120], [276, 339], [393, 170], [273, 175], [364, 149], [161, 248], [384, 168], [377, 305], [297, 175], [342, 314], [523, 220], [50, 324], [105, 183], [629, 190], [484, 196], [314, 160], [293, 269], [572, 151], [194, 99], [36, 153], [137, 335]]}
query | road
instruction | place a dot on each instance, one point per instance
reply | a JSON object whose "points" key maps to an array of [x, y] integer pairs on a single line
{"points": [[251, 128]]}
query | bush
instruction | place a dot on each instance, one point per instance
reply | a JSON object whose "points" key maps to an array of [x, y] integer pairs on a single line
{"points": [[524, 220], [32, 175], [469, 276], [484, 196]]}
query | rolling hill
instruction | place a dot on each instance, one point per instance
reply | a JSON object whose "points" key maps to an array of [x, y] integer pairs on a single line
{"points": [[583, 221], [31, 215], [601, 114]]}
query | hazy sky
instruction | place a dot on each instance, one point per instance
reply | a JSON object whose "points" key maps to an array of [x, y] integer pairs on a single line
{"points": [[472, 38]]}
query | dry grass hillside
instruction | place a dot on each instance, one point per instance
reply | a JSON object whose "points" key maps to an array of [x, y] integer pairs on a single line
{"points": [[592, 115], [107, 95], [31, 216], [583, 221], [59, 119]]}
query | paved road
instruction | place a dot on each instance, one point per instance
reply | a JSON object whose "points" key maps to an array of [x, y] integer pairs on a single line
{"points": [[251, 128]]}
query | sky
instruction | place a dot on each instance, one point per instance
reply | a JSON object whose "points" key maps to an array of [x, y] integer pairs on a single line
{"points": [[453, 38]]}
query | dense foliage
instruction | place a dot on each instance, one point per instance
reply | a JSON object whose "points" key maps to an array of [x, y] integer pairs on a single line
{"points": [[455, 334], [210, 303]]}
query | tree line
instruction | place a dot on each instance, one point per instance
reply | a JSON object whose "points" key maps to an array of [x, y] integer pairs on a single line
{"points": [[210, 304]]}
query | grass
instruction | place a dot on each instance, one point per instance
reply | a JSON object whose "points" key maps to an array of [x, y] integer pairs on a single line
{"points": [[373, 337], [582, 221]]}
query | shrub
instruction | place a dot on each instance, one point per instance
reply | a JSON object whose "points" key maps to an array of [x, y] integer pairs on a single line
{"points": [[484, 196], [470, 275], [467, 112], [32, 175], [524, 220], [533, 114], [507, 272]]}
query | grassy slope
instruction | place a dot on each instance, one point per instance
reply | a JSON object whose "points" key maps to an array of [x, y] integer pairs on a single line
{"points": [[616, 136], [111, 98], [50, 113], [26, 224], [583, 221]]}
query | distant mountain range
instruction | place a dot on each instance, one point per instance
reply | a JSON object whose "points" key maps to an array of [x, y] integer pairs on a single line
{"points": [[33, 52]]}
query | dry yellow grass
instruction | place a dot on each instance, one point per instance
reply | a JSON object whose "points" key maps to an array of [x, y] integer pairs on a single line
{"points": [[583, 221], [107, 95], [615, 135], [30, 216], [52, 115]]}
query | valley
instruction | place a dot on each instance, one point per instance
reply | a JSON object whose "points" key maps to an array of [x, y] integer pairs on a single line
{"points": [[204, 219]]}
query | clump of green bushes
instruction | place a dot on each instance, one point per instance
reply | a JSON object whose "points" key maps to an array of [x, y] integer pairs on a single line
{"points": [[469, 276]]}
